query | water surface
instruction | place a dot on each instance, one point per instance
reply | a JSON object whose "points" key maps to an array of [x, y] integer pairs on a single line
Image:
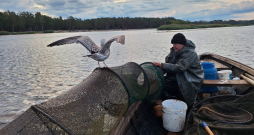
{"points": [[31, 73]]}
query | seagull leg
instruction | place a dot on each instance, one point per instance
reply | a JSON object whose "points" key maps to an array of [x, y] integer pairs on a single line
{"points": [[105, 64], [99, 64]]}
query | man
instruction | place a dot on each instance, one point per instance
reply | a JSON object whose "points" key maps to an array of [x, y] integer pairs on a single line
{"points": [[184, 73]]}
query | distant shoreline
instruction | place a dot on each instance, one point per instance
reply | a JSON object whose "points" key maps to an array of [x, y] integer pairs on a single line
{"points": [[65, 31], [194, 26], [168, 28]]}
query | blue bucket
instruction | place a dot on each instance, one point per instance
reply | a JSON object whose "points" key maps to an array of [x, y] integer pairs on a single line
{"points": [[210, 74]]}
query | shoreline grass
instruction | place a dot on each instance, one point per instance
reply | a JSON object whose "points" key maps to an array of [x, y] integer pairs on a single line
{"points": [[28, 32], [193, 26], [15, 33], [48, 31], [4, 33]]}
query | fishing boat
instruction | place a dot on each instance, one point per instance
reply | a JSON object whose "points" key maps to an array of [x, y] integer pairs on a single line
{"points": [[120, 101], [140, 118]]}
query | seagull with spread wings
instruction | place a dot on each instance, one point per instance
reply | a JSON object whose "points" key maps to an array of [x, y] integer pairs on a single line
{"points": [[97, 53]]}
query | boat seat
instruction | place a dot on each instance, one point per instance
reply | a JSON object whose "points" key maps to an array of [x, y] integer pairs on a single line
{"points": [[237, 83]]}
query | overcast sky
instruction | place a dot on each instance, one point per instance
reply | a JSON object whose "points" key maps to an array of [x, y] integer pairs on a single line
{"points": [[192, 10]]}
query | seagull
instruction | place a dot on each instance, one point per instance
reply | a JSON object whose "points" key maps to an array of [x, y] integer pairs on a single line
{"points": [[97, 53]]}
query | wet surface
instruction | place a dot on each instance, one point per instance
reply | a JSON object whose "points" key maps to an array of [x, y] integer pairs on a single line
{"points": [[31, 73]]}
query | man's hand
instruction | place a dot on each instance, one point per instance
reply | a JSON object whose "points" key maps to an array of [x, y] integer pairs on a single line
{"points": [[157, 64]]}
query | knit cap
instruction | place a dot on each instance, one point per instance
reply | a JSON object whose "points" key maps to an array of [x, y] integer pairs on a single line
{"points": [[178, 38]]}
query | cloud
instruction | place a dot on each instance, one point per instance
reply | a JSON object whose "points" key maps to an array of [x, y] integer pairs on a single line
{"points": [[219, 11], [54, 4], [38, 6], [216, 7], [193, 10], [234, 9], [118, 1], [244, 16]]}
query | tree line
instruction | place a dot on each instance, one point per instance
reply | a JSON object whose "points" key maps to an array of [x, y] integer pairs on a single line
{"points": [[230, 22], [26, 21]]}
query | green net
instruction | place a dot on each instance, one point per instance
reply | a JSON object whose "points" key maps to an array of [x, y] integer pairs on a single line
{"points": [[156, 79], [135, 80], [92, 107]]}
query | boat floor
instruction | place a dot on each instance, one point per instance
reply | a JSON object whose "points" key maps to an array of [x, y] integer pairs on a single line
{"points": [[144, 121]]}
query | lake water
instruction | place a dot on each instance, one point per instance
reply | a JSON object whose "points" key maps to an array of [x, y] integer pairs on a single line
{"points": [[31, 73]]}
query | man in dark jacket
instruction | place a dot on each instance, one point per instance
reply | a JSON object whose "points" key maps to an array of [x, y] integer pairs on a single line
{"points": [[184, 73]]}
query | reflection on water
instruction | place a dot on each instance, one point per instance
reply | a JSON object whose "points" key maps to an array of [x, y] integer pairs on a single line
{"points": [[31, 73]]}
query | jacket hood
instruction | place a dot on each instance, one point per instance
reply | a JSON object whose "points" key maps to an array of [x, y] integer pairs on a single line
{"points": [[188, 46]]}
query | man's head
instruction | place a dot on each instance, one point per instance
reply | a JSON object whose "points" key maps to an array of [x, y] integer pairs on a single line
{"points": [[178, 42]]}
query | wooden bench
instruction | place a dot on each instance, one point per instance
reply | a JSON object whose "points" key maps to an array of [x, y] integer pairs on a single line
{"points": [[237, 83]]}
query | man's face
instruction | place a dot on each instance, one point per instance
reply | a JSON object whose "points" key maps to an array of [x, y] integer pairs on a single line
{"points": [[177, 47]]}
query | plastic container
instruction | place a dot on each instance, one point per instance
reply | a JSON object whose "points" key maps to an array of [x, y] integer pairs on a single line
{"points": [[225, 75], [236, 78], [174, 113], [210, 71], [210, 74], [158, 110]]}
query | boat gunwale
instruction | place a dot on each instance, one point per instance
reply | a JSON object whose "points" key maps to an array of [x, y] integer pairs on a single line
{"points": [[231, 62]]}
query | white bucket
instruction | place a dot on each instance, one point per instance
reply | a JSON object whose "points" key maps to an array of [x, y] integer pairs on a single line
{"points": [[224, 75], [174, 113]]}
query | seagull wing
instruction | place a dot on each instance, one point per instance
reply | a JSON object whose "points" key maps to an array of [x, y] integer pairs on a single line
{"points": [[118, 39], [88, 44], [84, 40], [64, 41]]}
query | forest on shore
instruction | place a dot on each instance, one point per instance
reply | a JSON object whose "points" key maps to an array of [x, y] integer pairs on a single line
{"points": [[28, 22]]}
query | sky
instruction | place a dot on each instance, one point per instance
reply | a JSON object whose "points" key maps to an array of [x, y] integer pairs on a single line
{"points": [[192, 10]]}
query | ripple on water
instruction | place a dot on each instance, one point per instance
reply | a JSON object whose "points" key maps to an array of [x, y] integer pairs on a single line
{"points": [[32, 73]]}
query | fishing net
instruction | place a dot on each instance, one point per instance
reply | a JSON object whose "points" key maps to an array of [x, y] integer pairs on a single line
{"points": [[156, 79], [228, 117], [92, 107], [225, 113], [145, 121], [135, 80]]}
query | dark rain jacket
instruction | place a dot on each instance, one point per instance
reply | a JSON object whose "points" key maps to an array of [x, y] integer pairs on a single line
{"points": [[187, 69]]}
